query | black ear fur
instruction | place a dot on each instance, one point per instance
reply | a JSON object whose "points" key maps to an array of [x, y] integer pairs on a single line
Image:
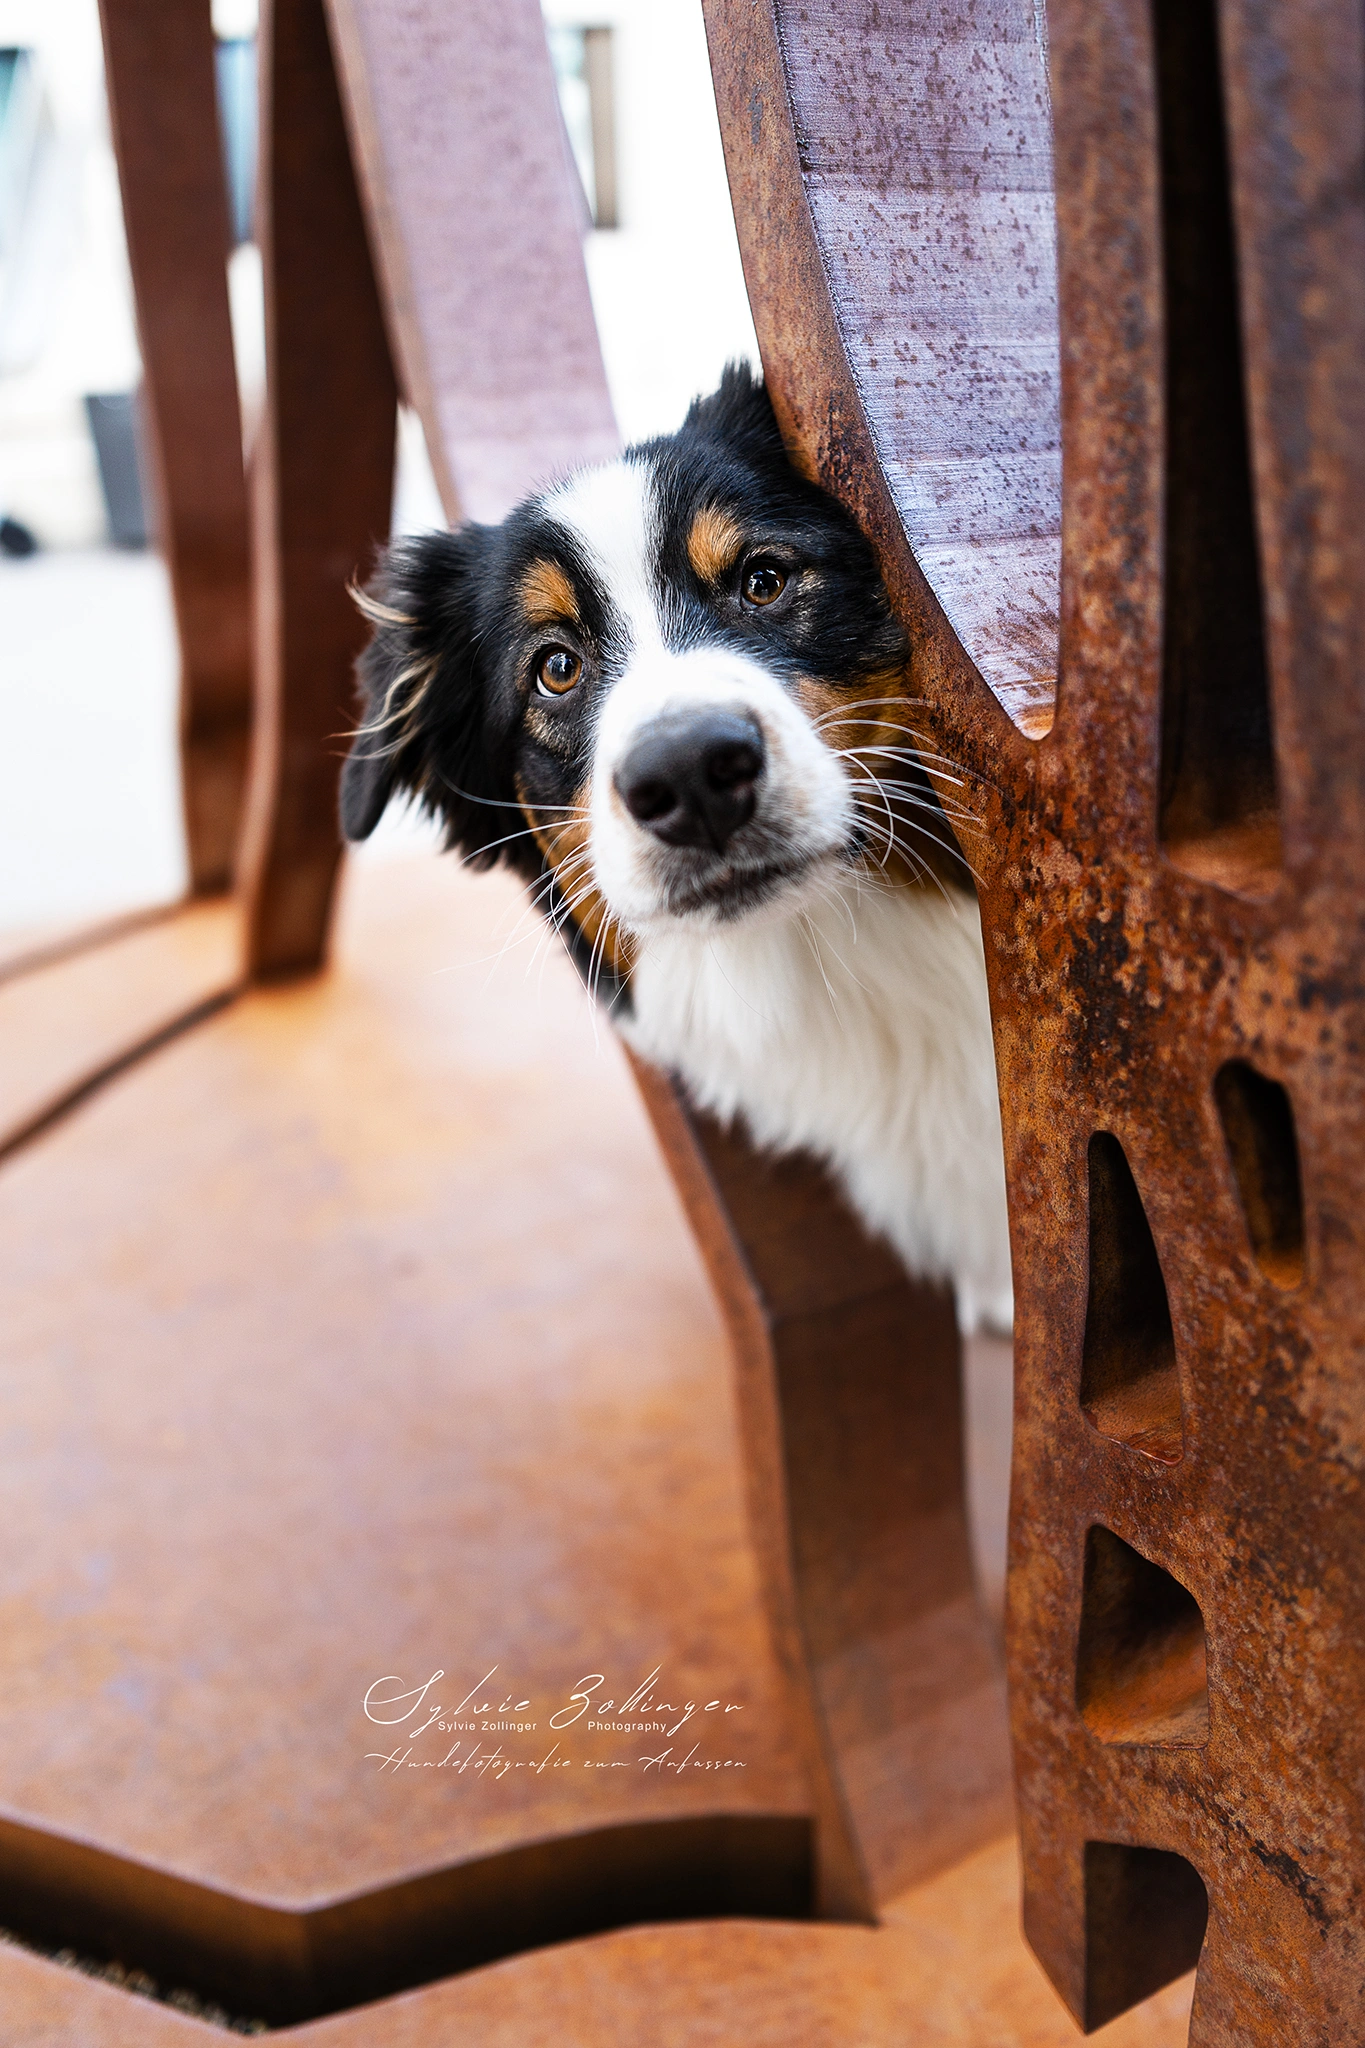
{"points": [[423, 728], [738, 412]]}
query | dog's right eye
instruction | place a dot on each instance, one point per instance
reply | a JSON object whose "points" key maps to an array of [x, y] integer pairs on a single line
{"points": [[764, 580], [557, 671]]}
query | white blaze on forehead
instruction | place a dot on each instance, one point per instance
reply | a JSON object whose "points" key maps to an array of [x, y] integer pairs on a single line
{"points": [[610, 513], [804, 808]]}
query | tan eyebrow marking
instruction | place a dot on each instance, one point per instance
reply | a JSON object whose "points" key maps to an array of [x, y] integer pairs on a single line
{"points": [[714, 543], [547, 594]]}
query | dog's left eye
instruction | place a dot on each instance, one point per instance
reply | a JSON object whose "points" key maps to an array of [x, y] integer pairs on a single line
{"points": [[557, 671], [764, 580]]}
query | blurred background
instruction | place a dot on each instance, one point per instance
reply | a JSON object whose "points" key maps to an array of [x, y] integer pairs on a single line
{"points": [[90, 809]]}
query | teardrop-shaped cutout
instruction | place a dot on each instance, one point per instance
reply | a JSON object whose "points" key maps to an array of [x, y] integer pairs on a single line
{"points": [[1258, 1123], [1141, 1663], [1130, 1389]]}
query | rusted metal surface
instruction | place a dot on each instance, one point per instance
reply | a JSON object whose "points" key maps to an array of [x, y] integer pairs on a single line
{"points": [[486, 307], [290, 1407], [486, 294], [163, 112], [1168, 888], [892, 174], [322, 486], [850, 1395], [81, 1013], [948, 1969], [1171, 884]]}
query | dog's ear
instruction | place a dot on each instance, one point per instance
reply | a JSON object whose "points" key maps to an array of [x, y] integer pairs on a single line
{"points": [[423, 729], [738, 412]]}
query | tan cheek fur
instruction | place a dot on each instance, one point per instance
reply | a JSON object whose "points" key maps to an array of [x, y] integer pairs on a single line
{"points": [[867, 721], [565, 843], [714, 544], [547, 595]]}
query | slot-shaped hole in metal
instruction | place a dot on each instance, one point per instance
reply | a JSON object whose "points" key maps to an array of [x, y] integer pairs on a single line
{"points": [[1141, 1661], [1146, 1911], [1130, 1389], [1219, 812], [1258, 1123]]}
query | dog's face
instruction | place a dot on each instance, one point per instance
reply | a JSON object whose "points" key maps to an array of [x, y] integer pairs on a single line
{"points": [[672, 688]]}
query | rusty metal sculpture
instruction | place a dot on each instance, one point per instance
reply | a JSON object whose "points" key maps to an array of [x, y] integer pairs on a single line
{"points": [[159, 65], [1151, 679], [1171, 889]]}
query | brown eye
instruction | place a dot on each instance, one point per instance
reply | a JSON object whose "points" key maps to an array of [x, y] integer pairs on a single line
{"points": [[558, 671], [763, 581]]}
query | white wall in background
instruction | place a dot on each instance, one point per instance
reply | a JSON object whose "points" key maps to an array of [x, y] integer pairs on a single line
{"points": [[90, 817], [667, 285], [85, 339]]}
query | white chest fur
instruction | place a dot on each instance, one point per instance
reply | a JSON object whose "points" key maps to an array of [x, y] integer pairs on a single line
{"points": [[857, 1030]]}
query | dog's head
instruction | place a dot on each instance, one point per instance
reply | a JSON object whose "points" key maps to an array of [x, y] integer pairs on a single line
{"points": [[671, 688]]}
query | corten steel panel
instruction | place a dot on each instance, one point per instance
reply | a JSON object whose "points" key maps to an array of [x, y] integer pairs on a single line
{"points": [[322, 487], [850, 1398], [948, 1969], [915, 197], [491, 327], [455, 123], [1157, 904], [72, 1017], [359, 1332], [164, 118]]}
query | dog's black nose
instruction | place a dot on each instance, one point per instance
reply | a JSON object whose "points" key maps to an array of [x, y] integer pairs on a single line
{"points": [[690, 776]]}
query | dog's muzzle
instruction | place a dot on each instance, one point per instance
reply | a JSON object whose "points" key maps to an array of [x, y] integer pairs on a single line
{"points": [[691, 776]]}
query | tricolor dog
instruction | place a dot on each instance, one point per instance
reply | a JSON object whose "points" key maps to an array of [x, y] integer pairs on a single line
{"points": [[671, 693]]}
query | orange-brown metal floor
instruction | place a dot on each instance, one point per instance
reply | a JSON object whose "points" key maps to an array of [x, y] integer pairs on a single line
{"points": [[948, 1969], [356, 1332]]}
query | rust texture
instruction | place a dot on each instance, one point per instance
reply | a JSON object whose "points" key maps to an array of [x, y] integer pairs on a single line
{"points": [[1150, 680], [363, 273], [850, 1400], [159, 69], [322, 487], [289, 1409], [486, 298], [1170, 892]]}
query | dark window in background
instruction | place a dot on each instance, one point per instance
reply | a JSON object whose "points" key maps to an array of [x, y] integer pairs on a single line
{"points": [[582, 59], [583, 71], [236, 66], [19, 119], [9, 66], [116, 427]]}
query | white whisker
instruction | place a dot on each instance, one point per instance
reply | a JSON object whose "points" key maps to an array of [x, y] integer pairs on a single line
{"points": [[815, 949]]}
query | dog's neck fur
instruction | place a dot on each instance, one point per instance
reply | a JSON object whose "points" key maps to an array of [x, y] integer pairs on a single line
{"points": [[858, 1031]]}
